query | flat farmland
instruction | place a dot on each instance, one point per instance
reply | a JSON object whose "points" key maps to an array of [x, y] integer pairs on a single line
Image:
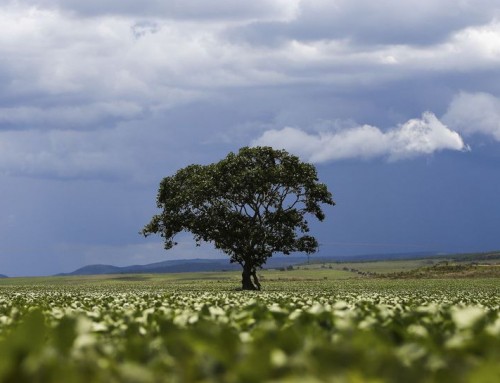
{"points": [[306, 325]]}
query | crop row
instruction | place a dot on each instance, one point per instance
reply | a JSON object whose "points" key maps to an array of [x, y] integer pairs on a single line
{"points": [[139, 334]]}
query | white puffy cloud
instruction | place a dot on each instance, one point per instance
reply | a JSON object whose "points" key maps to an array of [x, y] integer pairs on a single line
{"points": [[415, 137], [471, 113], [101, 59]]}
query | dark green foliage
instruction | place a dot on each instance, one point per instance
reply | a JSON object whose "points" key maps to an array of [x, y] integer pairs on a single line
{"points": [[249, 205], [348, 331]]}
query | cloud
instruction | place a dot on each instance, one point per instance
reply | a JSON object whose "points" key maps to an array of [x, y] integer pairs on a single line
{"points": [[364, 22], [181, 9], [415, 137], [59, 154], [160, 61], [133, 151], [101, 59], [70, 69], [471, 113], [54, 58], [68, 117]]}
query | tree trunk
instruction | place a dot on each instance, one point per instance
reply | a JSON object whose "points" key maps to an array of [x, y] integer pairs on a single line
{"points": [[246, 281], [255, 279]]}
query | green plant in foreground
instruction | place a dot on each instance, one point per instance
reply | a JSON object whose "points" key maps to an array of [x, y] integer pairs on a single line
{"points": [[353, 331]]}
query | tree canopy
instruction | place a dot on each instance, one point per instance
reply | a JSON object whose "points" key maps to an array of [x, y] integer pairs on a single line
{"points": [[250, 205]]}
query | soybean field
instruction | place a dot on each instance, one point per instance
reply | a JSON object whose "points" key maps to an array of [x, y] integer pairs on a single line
{"points": [[154, 328]]}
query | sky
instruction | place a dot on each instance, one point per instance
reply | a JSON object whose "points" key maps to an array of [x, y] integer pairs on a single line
{"points": [[397, 103]]}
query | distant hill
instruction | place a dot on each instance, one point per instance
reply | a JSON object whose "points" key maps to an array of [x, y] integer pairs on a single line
{"points": [[95, 269], [478, 257], [201, 265], [180, 266], [172, 266], [451, 269], [3, 276]]}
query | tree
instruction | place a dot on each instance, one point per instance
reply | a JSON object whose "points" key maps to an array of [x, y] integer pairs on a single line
{"points": [[249, 205]]}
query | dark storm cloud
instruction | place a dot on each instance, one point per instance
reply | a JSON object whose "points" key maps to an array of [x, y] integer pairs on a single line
{"points": [[176, 9], [372, 22]]}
